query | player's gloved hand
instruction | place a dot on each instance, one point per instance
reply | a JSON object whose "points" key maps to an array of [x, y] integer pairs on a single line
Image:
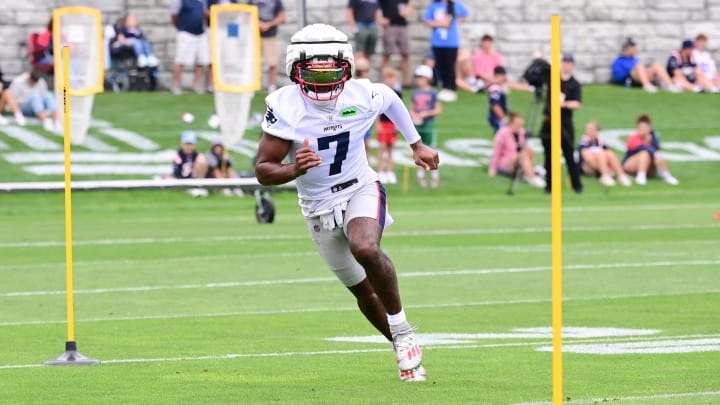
{"points": [[425, 156], [305, 159]]}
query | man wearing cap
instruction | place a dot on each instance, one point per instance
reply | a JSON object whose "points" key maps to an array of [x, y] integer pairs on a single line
{"points": [[570, 100], [627, 70], [683, 70], [188, 163]]}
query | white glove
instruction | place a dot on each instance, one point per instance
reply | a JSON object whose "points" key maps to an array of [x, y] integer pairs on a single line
{"points": [[333, 217]]}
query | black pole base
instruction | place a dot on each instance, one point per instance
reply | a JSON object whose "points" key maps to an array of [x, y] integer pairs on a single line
{"points": [[71, 357]]}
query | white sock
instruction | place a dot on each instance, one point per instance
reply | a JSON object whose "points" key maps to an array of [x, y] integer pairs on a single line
{"points": [[397, 319], [420, 173], [663, 173], [435, 174]]}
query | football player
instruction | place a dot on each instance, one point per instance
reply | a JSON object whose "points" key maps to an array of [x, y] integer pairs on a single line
{"points": [[319, 124]]}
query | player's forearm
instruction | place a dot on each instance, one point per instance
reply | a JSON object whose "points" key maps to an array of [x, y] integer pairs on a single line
{"points": [[398, 114], [272, 174]]}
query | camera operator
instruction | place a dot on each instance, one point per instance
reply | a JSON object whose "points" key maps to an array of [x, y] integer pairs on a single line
{"points": [[570, 100]]}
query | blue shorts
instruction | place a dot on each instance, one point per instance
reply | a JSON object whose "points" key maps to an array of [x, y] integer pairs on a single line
{"points": [[368, 134]]}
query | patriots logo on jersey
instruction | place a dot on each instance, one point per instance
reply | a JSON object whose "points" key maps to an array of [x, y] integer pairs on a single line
{"points": [[270, 116]]}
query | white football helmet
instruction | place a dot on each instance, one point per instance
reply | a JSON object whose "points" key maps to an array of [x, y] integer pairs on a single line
{"points": [[320, 59]]}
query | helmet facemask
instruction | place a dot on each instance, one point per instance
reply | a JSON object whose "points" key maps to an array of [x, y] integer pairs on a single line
{"points": [[321, 78]]}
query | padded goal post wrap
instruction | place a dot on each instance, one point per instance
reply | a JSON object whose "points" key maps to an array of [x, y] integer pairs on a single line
{"points": [[235, 49], [79, 28]]}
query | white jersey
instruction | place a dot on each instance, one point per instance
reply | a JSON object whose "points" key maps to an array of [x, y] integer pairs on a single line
{"points": [[337, 136], [706, 63]]}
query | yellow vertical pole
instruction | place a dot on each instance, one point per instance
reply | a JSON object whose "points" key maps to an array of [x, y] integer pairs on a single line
{"points": [[556, 180], [68, 195]]}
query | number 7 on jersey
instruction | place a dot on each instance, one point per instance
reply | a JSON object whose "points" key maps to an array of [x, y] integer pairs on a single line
{"points": [[341, 149]]}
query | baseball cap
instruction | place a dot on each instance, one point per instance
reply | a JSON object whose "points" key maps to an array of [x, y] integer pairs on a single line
{"points": [[688, 43], [568, 57], [499, 70], [189, 137], [424, 71]]}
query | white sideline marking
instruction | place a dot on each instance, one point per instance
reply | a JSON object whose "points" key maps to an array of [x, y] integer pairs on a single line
{"points": [[81, 169], [630, 398], [543, 210], [90, 157], [29, 138], [131, 138], [437, 232], [343, 309], [668, 346], [330, 279], [4, 146]]}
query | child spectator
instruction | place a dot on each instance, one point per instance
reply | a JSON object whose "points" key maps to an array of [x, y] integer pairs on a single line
{"points": [[362, 72], [220, 166], [31, 93], [497, 115], [597, 160], [485, 60], [510, 150], [133, 36], [189, 164], [627, 70], [705, 61], [425, 107], [643, 156], [683, 70], [387, 134]]}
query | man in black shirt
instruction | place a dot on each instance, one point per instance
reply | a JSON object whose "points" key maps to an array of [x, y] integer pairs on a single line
{"points": [[395, 34], [570, 100]]}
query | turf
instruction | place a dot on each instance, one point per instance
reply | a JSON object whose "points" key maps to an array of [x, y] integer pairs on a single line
{"points": [[191, 301]]}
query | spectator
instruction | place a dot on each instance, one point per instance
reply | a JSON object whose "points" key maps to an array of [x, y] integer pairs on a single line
{"points": [[363, 17], [220, 166], [387, 133], [643, 156], [683, 70], [597, 160], [42, 57], [485, 60], [272, 14], [464, 76], [443, 17], [189, 163], [31, 93], [627, 70], [510, 150], [362, 72], [705, 61], [570, 100], [425, 107], [395, 35], [130, 34], [192, 45], [8, 100], [497, 114]]}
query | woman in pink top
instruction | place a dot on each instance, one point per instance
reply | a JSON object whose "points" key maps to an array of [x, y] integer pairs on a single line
{"points": [[486, 59], [510, 148]]}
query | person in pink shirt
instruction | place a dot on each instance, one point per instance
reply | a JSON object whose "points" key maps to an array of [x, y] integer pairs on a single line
{"points": [[485, 60], [510, 149]]}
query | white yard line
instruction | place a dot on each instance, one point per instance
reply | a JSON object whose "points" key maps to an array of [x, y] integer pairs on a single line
{"points": [[390, 234], [569, 248], [353, 308], [631, 398], [445, 273], [231, 356]]}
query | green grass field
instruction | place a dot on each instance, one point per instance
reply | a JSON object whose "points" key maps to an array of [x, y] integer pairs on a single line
{"points": [[190, 301]]}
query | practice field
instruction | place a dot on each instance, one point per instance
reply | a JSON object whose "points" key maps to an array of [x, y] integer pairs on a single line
{"points": [[191, 301]]}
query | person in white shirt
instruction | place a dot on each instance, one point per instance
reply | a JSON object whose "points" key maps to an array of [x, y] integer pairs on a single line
{"points": [[705, 61], [34, 99], [319, 124]]}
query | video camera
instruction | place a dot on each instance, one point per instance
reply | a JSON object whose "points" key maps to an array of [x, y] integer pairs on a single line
{"points": [[538, 75]]}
